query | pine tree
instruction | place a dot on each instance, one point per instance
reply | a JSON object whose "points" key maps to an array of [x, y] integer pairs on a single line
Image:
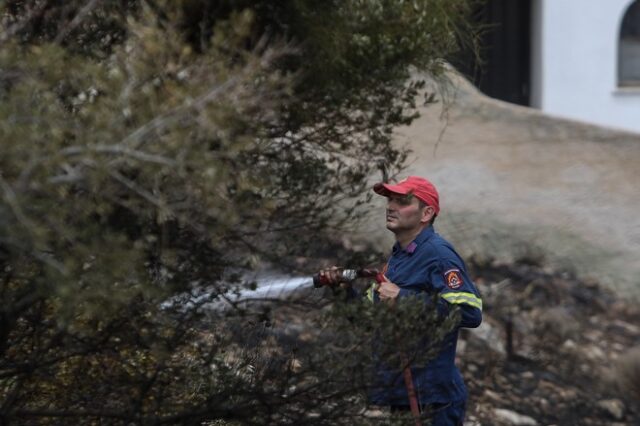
{"points": [[154, 148]]}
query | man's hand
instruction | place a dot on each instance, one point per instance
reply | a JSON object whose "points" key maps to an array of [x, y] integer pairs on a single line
{"points": [[387, 290], [334, 276]]}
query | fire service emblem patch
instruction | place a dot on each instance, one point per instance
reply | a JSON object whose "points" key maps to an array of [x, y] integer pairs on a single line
{"points": [[453, 279]]}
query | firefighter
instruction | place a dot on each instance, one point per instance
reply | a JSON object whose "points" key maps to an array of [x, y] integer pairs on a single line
{"points": [[423, 264]]}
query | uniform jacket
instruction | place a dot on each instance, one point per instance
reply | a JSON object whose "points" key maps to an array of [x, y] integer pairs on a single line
{"points": [[429, 266]]}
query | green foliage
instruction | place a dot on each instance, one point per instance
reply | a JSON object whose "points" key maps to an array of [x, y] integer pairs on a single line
{"points": [[153, 147]]}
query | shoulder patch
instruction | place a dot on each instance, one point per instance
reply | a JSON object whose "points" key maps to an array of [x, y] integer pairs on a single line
{"points": [[453, 278]]}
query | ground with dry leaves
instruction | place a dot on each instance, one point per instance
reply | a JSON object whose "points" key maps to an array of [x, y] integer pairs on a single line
{"points": [[552, 350]]}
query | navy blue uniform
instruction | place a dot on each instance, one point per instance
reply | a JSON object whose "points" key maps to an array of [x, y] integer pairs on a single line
{"points": [[430, 266]]}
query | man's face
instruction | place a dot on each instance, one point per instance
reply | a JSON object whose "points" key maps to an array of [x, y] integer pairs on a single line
{"points": [[404, 213]]}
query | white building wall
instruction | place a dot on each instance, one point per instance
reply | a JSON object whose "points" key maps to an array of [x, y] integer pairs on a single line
{"points": [[575, 62]]}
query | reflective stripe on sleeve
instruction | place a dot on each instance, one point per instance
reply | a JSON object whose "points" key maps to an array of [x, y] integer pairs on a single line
{"points": [[370, 292], [463, 298]]}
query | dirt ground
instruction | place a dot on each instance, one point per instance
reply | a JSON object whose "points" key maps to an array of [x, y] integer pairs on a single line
{"points": [[517, 183]]}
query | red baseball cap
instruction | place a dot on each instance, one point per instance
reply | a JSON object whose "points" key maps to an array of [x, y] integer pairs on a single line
{"points": [[419, 187]]}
